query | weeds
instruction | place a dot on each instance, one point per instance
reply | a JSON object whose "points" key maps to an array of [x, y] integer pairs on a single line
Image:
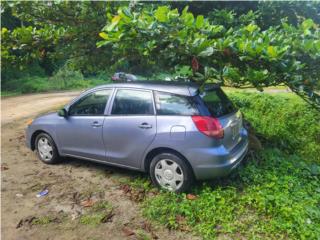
{"points": [[101, 212]]}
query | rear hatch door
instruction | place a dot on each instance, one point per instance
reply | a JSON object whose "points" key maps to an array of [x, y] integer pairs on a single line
{"points": [[220, 106]]}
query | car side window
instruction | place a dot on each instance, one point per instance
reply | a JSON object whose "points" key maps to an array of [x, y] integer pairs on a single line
{"points": [[92, 104], [173, 104], [132, 102]]}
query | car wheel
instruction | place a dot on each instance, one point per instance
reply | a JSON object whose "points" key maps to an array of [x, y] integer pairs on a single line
{"points": [[168, 171], [46, 149]]}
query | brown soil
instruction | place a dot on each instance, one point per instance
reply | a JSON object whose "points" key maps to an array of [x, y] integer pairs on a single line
{"points": [[23, 215]]}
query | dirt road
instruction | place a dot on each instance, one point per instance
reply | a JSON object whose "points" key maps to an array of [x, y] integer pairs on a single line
{"points": [[15, 108], [74, 185]]}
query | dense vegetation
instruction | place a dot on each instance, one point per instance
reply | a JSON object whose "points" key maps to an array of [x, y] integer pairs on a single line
{"points": [[274, 195], [237, 44]]}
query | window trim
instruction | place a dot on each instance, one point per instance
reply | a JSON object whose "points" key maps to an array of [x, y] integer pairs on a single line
{"points": [[132, 89], [179, 95], [85, 95]]}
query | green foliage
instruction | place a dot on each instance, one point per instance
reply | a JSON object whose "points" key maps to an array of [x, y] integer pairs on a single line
{"points": [[44, 220], [51, 33], [92, 219], [236, 44], [274, 197], [239, 55], [283, 120], [45, 84], [96, 214]]}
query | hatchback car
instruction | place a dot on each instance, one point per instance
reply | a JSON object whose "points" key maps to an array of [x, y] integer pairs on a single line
{"points": [[176, 132]]}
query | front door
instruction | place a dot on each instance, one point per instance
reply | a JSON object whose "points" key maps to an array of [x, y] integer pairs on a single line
{"points": [[130, 128], [80, 134]]}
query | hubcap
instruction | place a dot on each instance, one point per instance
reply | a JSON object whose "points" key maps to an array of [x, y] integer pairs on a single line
{"points": [[169, 174], [45, 149]]}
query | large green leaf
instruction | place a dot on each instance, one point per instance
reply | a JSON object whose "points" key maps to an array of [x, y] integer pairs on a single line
{"points": [[272, 52], [103, 35], [114, 23], [307, 24], [161, 14], [199, 21], [207, 52]]}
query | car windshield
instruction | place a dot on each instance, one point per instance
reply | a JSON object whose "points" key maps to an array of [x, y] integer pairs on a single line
{"points": [[217, 102]]}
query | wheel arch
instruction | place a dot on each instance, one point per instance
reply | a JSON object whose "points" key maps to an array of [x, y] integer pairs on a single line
{"points": [[34, 136], [154, 152]]}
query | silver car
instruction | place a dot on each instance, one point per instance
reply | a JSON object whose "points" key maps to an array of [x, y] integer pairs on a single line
{"points": [[174, 131]]}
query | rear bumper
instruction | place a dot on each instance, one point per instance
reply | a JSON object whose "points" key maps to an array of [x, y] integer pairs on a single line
{"points": [[218, 162]]}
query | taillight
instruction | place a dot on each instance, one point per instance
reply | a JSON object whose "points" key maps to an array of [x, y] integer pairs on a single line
{"points": [[209, 126]]}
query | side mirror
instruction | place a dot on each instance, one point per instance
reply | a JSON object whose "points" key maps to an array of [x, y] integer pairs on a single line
{"points": [[63, 112]]}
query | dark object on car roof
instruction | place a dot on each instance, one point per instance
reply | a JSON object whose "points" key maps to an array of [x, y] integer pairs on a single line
{"points": [[121, 76]]}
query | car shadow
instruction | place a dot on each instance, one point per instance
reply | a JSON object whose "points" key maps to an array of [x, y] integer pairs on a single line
{"points": [[103, 167], [118, 172]]}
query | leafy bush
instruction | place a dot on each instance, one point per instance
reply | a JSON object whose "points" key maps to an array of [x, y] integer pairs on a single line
{"points": [[45, 84], [66, 77], [284, 121], [274, 196]]}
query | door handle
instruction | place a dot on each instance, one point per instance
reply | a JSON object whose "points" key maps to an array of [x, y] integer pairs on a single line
{"points": [[96, 124], [145, 125]]}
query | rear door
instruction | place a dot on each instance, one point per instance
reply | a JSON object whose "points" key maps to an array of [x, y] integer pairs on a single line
{"points": [[130, 127], [219, 106]]}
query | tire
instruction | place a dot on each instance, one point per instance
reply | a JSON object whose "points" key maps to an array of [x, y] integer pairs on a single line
{"points": [[171, 172], [49, 148]]}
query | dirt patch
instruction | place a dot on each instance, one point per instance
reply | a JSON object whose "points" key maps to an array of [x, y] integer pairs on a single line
{"points": [[84, 200]]}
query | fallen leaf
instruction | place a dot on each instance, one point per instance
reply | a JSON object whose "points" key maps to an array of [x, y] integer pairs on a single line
{"points": [[26, 221], [4, 167], [76, 197], [180, 218], [191, 196], [87, 203], [146, 226], [125, 188], [108, 217], [127, 231]]}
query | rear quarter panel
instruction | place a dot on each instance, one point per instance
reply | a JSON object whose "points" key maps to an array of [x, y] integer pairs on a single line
{"points": [[179, 133]]}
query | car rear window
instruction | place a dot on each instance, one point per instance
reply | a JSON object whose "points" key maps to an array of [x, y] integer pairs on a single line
{"points": [[217, 102], [172, 104]]}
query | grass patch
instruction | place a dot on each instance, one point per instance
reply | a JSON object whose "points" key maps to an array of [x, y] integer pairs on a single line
{"points": [[142, 235], [99, 213], [274, 195], [43, 220], [92, 219]]}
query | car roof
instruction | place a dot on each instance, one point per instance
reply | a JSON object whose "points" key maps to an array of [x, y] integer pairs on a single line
{"points": [[181, 88]]}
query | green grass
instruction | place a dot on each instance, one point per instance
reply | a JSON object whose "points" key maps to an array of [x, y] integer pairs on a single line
{"points": [[60, 81], [275, 194], [96, 214], [92, 219], [43, 220]]}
